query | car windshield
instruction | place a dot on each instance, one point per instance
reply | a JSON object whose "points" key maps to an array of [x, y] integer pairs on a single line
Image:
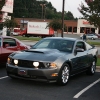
{"points": [[59, 44]]}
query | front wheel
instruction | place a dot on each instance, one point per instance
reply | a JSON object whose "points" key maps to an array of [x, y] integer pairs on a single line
{"points": [[92, 68], [92, 38], [64, 75]]}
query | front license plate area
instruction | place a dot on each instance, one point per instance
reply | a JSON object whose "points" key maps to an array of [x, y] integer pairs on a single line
{"points": [[22, 72]]}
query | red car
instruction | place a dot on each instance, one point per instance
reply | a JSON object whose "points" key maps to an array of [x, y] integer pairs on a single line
{"points": [[8, 45]]}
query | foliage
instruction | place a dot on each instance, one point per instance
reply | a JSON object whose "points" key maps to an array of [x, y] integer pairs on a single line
{"points": [[33, 9], [55, 24], [91, 12], [10, 23], [1, 4], [28, 38], [98, 61], [94, 43]]}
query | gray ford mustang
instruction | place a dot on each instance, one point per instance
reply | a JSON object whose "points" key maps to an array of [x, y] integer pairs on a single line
{"points": [[53, 59]]}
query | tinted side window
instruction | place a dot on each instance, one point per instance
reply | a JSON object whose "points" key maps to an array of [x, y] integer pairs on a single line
{"points": [[9, 41], [80, 45]]}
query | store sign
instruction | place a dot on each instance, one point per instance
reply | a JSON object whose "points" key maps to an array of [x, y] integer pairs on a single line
{"points": [[86, 22], [23, 21], [8, 7]]}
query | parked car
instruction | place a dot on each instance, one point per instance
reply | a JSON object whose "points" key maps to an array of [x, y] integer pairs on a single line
{"points": [[90, 36], [53, 59], [98, 35], [14, 33], [9, 45], [0, 32]]}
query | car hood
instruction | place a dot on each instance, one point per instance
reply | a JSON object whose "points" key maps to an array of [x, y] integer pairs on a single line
{"points": [[39, 55]]}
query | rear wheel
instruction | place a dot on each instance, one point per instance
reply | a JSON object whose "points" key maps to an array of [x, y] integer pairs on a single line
{"points": [[92, 68], [64, 75]]}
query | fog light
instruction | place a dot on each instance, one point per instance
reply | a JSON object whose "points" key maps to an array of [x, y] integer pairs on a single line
{"points": [[54, 74]]}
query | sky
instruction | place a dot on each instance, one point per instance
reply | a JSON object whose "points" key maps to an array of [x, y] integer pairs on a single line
{"points": [[70, 5]]}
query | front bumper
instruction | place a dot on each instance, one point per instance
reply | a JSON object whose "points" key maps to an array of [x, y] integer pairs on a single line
{"points": [[32, 73]]}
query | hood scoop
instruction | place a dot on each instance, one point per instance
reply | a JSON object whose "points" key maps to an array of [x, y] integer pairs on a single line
{"points": [[42, 50]]}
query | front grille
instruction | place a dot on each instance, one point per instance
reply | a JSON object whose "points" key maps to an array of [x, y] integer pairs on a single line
{"points": [[27, 64]]}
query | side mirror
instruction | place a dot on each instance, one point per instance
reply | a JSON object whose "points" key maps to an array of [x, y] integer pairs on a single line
{"points": [[78, 50]]}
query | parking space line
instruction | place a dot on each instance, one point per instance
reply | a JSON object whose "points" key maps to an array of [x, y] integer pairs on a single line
{"points": [[3, 77], [85, 89]]}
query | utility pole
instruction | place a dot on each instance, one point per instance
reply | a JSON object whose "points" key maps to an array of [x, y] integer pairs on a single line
{"points": [[63, 17], [23, 21], [42, 5]]}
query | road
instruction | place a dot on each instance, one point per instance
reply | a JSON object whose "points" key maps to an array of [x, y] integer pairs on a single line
{"points": [[80, 87]]}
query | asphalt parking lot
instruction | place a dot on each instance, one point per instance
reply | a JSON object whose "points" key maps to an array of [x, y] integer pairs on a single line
{"points": [[81, 87]]}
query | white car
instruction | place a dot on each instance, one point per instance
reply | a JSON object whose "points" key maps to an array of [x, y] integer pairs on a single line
{"points": [[90, 36], [14, 33]]}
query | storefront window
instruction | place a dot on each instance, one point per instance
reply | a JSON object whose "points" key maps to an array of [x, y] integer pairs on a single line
{"points": [[69, 29], [93, 30], [74, 29], [82, 29]]}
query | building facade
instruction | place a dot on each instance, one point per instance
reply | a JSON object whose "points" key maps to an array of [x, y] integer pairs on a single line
{"points": [[84, 25], [73, 26]]}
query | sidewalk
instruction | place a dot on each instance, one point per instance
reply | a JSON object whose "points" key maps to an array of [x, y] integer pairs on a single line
{"points": [[97, 67]]}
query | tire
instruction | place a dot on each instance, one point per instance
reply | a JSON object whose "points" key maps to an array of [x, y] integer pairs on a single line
{"points": [[64, 75], [92, 38], [92, 68]]}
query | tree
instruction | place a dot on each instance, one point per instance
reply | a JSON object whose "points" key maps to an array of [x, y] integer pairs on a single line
{"points": [[2, 2], [68, 16], [91, 12], [56, 25], [32, 9], [10, 23]]}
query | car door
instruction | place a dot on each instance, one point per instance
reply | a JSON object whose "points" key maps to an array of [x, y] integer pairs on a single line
{"points": [[9, 45], [80, 58]]}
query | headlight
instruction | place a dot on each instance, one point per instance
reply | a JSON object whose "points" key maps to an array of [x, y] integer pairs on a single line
{"points": [[51, 65], [36, 64], [15, 62], [8, 60]]}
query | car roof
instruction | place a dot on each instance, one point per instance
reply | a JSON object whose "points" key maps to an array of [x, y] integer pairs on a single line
{"points": [[67, 38]]}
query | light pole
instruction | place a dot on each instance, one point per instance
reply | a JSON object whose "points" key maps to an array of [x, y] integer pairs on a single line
{"points": [[42, 5], [63, 17], [44, 12]]}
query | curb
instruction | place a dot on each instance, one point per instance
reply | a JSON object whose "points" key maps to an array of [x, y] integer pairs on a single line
{"points": [[98, 67]]}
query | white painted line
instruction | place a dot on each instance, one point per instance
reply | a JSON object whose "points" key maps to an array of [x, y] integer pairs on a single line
{"points": [[85, 89], [3, 77]]}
